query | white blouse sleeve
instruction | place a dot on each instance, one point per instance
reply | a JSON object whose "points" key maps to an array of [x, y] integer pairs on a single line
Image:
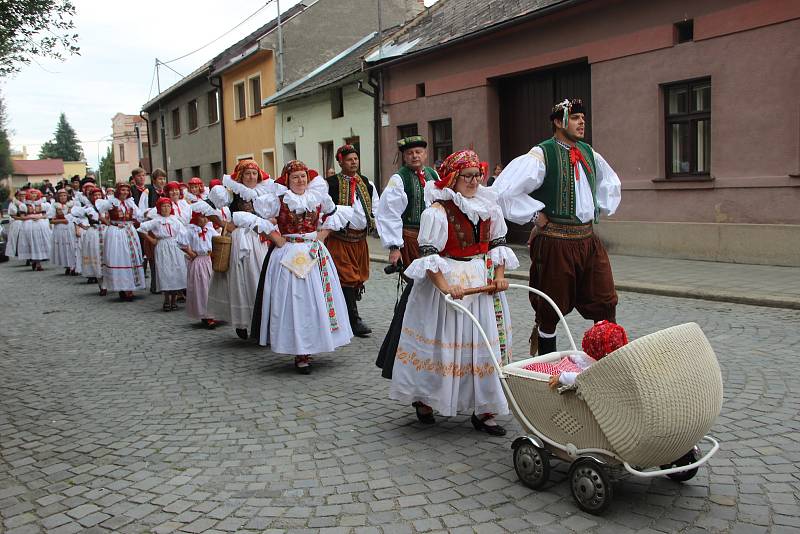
{"points": [[220, 196], [432, 236], [267, 206], [51, 211], [242, 219], [609, 188], [144, 203], [148, 226], [499, 252], [513, 186], [389, 212]]}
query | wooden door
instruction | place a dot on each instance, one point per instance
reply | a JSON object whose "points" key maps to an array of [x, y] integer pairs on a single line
{"points": [[525, 104]]}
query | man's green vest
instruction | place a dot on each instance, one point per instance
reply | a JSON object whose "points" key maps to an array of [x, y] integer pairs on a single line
{"points": [[415, 194], [557, 192]]}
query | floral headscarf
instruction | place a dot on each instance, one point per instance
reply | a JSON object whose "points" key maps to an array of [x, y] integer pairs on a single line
{"points": [[245, 164], [454, 164], [294, 166], [603, 338]]}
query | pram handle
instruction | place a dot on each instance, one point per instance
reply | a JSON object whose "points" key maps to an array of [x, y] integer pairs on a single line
{"points": [[474, 319], [476, 290]]}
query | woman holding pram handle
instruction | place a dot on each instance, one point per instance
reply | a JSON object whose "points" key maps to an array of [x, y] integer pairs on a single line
{"points": [[442, 362]]}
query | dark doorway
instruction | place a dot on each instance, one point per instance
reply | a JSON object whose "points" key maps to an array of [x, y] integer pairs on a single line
{"points": [[525, 104]]}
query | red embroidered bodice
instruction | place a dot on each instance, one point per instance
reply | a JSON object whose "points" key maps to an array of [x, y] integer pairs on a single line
{"points": [[121, 213], [464, 239], [297, 223]]}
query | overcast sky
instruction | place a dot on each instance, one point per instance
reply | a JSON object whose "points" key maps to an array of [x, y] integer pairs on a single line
{"points": [[119, 43]]}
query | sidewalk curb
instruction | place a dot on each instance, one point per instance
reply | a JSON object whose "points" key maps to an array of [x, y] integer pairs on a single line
{"points": [[674, 291]]}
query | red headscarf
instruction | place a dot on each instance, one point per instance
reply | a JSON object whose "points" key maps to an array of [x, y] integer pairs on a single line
{"points": [[603, 338], [33, 194], [172, 185], [454, 164], [215, 182], [164, 200], [294, 166], [195, 181], [246, 164]]}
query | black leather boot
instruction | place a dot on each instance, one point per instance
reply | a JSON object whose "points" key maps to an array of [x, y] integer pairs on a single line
{"points": [[547, 345], [356, 324]]}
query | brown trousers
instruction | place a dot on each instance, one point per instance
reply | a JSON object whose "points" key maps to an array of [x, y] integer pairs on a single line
{"points": [[576, 274], [351, 260]]}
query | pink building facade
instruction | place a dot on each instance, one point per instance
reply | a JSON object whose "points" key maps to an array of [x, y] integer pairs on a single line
{"points": [[693, 103]]}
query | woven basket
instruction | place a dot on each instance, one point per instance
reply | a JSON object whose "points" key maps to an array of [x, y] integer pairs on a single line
{"points": [[221, 252], [657, 396]]}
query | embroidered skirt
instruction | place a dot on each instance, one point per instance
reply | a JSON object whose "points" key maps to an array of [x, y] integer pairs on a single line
{"points": [[442, 359], [303, 315], [63, 248], [122, 259]]}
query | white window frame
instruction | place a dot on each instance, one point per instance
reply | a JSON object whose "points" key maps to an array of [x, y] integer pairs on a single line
{"points": [[236, 115], [249, 95]]}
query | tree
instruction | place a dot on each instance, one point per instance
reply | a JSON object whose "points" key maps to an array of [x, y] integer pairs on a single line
{"points": [[106, 174], [35, 28], [65, 145], [6, 167]]}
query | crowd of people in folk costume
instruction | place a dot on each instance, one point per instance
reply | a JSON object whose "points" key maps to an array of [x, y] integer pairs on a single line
{"points": [[299, 257]]}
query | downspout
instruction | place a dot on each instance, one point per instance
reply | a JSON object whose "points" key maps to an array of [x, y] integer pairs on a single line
{"points": [[221, 121], [149, 148], [376, 119]]}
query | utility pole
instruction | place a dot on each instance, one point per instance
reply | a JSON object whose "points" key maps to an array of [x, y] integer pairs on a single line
{"points": [[163, 128], [280, 48]]}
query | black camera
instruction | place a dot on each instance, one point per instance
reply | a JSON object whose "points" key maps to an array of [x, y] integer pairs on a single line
{"points": [[394, 267]]}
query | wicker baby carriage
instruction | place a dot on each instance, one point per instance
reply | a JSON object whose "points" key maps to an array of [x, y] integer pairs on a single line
{"points": [[644, 407]]}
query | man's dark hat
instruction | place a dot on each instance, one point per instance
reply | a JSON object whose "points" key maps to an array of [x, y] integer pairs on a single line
{"points": [[411, 142], [565, 108]]}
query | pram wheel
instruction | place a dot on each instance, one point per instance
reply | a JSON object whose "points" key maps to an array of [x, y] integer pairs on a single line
{"points": [[532, 465], [686, 459], [590, 485]]}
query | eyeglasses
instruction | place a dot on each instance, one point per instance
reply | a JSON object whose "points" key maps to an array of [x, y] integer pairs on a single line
{"points": [[469, 178]]}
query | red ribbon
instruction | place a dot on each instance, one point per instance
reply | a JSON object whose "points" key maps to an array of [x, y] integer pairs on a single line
{"points": [[352, 190], [421, 176], [203, 233], [575, 158]]}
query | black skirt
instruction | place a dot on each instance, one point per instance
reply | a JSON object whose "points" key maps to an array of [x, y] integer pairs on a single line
{"points": [[255, 322], [389, 346]]}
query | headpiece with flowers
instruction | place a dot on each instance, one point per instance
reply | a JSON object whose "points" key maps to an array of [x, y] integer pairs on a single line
{"points": [[294, 166], [453, 164], [246, 164]]}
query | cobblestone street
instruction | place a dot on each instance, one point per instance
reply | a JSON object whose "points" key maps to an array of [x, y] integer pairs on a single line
{"points": [[119, 417]]}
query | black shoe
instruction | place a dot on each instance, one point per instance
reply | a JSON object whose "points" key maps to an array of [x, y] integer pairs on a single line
{"points": [[360, 329], [547, 345], [425, 418], [242, 333], [303, 369], [492, 430]]}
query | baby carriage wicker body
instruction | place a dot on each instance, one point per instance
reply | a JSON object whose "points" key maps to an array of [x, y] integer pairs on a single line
{"points": [[642, 409]]}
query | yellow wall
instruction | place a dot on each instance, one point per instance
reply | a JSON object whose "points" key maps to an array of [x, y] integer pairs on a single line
{"points": [[255, 133], [71, 168]]}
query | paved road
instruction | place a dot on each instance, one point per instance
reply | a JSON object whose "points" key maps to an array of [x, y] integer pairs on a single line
{"points": [[119, 417]]}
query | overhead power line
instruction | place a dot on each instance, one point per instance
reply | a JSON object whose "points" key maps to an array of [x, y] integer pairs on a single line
{"points": [[256, 12]]}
